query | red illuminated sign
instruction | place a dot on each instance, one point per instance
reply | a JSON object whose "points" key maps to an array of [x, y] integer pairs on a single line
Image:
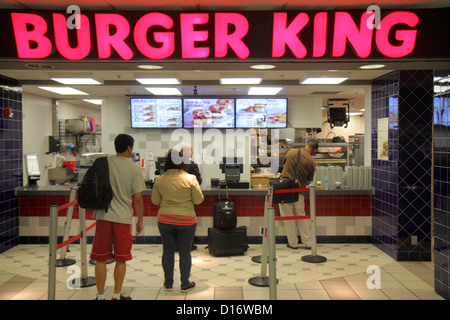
{"points": [[154, 35]]}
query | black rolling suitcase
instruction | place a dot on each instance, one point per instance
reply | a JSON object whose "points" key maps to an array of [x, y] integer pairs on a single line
{"points": [[227, 242], [224, 213]]}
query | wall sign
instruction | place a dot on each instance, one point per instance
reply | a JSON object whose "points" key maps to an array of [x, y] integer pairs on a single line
{"points": [[311, 35]]}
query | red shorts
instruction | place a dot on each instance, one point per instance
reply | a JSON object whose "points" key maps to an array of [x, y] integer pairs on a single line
{"points": [[111, 236]]}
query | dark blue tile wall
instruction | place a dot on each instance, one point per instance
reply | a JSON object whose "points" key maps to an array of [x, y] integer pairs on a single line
{"points": [[10, 162], [402, 201], [441, 208]]}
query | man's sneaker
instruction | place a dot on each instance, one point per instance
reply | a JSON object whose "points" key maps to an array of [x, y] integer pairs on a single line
{"points": [[122, 298], [191, 286], [167, 287]]}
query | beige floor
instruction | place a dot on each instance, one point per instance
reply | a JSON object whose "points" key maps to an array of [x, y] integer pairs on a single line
{"points": [[24, 275]]}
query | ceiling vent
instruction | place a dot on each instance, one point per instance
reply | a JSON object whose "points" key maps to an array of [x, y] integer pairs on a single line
{"points": [[39, 66]]}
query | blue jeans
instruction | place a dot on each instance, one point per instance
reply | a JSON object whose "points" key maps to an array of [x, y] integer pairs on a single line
{"points": [[176, 237]]}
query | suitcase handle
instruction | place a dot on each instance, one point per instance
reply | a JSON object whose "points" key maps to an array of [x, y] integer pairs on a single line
{"points": [[223, 183]]}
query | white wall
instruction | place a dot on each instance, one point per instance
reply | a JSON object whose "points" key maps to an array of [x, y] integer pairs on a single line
{"points": [[305, 112], [37, 125]]}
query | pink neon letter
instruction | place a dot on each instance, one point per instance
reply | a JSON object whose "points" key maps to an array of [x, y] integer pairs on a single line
{"points": [[407, 37], [189, 36], [25, 37], [223, 39], [283, 35], [320, 34], [117, 40], [166, 38], [62, 41], [345, 28]]}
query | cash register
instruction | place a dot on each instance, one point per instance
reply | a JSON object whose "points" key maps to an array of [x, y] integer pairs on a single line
{"points": [[232, 168]]}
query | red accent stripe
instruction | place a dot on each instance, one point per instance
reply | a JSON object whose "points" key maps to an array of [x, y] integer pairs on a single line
{"points": [[177, 220], [291, 190]]}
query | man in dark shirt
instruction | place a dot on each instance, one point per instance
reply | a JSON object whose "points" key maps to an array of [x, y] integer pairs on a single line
{"points": [[307, 167]]}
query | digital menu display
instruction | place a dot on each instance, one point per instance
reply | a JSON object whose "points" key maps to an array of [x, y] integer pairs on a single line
{"points": [[261, 113], [156, 113], [208, 113]]}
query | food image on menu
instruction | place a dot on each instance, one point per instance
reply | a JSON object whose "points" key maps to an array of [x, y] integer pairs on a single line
{"points": [[261, 113], [208, 112], [201, 117], [258, 107], [156, 113]]}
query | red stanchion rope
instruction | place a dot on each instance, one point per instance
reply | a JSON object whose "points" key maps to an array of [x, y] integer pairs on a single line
{"points": [[78, 236], [66, 205]]}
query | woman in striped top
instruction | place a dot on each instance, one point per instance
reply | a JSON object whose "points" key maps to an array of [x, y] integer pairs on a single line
{"points": [[176, 193]]}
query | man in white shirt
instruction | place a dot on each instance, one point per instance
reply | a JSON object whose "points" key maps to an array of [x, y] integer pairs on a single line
{"points": [[113, 238]]}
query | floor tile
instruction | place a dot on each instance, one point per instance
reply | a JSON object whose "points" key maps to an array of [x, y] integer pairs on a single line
{"points": [[342, 294], [24, 275], [314, 294]]}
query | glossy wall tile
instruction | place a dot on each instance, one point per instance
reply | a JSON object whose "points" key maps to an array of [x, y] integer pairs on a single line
{"points": [[10, 161], [441, 181], [402, 181]]}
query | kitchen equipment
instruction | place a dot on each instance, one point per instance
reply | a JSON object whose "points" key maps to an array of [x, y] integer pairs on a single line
{"points": [[356, 149]]}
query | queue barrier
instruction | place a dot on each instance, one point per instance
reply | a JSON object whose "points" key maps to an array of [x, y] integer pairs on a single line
{"points": [[84, 280], [269, 240]]}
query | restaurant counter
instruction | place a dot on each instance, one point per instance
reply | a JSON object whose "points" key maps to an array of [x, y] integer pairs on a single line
{"points": [[341, 214], [65, 190]]}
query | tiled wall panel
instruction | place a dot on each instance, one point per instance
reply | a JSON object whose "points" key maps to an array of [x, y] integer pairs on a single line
{"points": [[441, 145], [402, 201], [10, 162]]}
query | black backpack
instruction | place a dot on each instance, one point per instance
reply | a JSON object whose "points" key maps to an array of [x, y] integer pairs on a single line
{"points": [[95, 191]]}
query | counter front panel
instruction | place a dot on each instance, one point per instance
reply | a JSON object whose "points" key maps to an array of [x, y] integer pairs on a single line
{"points": [[345, 214]]}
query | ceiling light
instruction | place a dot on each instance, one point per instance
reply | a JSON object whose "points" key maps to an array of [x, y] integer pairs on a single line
{"points": [[164, 91], [158, 80], [76, 80], [94, 101], [240, 80], [64, 90], [355, 114], [264, 91], [150, 67], [372, 66], [323, 80], [262, 66]]}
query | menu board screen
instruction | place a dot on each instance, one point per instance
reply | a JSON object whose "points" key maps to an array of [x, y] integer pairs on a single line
{"points": [[261, 113], [208, 113], [156, 113]]}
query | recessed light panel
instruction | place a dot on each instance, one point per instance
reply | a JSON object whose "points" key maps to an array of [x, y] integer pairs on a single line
{"points": [[240, 80], [164, 91], [94, 101], [264, 91], [158, 81], [323, 80], [64, 90], [73, 81]]}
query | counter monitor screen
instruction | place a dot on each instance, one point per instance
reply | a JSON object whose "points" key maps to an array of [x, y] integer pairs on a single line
{"points": [[32, 165], [208, 113], [156, 113], [261, 113]]}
